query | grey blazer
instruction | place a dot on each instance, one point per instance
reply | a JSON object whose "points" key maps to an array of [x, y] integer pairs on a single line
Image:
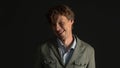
{"points": [[48, 56]]}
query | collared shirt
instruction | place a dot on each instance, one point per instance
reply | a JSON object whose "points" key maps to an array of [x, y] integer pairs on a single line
{"points": [[66, 54]]}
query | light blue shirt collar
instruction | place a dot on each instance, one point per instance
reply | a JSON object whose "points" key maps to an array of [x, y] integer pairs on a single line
{"points": [[60, 44]]}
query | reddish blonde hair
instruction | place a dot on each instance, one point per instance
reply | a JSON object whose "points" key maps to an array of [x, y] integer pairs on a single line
{"points": [[60, 10]]}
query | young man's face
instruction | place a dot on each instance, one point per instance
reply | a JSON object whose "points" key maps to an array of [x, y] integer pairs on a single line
{"points": [[62, 26]]}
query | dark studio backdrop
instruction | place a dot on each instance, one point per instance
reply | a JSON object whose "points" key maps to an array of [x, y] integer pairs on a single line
{"points": [[96, 22]]}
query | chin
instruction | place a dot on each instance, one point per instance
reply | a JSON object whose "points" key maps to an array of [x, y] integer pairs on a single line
{"points": [[62, 37]]}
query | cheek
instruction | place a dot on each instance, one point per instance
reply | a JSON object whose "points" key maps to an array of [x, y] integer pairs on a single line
{"points": [[64, 27], [68, 27]]}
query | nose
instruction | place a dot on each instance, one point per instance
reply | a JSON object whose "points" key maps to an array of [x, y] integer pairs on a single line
{"points": [[57, 27]]}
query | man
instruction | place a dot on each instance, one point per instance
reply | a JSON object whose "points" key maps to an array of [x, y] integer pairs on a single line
{"points": [[66, 50]]}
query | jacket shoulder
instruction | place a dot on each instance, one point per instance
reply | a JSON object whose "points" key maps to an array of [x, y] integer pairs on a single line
{"points": [[88, 48], [87, 45], [84, 44], [46, 45]]}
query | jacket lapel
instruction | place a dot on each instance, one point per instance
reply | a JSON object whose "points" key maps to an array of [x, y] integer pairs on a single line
{"points": [[54, 49], [77, 52]]}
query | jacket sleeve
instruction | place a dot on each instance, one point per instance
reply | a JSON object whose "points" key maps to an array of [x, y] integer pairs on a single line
{"points": [[91, 63]]}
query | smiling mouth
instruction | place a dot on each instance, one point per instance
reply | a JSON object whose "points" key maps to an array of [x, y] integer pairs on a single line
{"points": [[59, 33]]}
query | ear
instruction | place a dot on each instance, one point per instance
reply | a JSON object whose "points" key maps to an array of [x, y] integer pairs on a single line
{"points": [[72, 21]]}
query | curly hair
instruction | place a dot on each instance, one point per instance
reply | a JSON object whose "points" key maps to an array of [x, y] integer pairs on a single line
{"points": [[60, 10]]}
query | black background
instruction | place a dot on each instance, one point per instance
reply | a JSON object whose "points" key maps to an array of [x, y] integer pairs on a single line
{"points": [[96, 22]]}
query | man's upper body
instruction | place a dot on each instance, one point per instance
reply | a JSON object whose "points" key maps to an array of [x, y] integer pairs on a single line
{"points": [[67, 50], [49, 56]]}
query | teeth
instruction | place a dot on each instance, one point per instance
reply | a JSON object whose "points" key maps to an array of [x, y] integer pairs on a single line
{"points": [[60, 32]]}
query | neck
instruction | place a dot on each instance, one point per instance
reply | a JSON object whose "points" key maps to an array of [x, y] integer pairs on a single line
{"points": [[67, 41]]}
